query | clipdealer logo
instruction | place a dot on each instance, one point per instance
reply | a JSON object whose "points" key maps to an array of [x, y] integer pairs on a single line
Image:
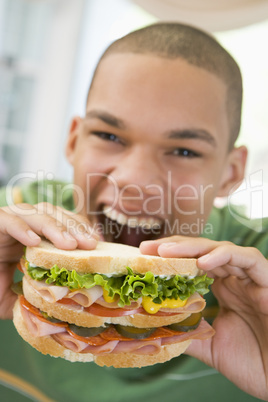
{"points": [[153, 199], [182, 207], [245, 204]]}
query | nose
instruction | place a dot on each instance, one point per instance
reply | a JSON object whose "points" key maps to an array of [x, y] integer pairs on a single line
{"points": [[138, 170]]}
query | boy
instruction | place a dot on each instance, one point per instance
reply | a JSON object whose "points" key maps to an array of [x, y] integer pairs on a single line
{"points": [[155, 147]]}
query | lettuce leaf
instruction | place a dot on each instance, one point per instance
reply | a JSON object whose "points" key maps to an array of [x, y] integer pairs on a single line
{"points": [[128, 287]]}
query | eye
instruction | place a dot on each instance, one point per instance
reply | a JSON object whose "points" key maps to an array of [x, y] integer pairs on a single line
{"points": [[107, 136], [185, 153]]}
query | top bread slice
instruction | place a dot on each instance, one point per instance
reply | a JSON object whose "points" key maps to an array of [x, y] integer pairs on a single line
{"points": [[109, 258]]}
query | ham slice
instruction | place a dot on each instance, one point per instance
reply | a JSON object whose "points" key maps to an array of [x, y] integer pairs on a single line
{"points": [[135, 346], [195, 304], [103, 349], [203, 331], [134, 304], [49, 293], [139, 347], [86, 297], [53, 294], [38, 327], [68, 342]]}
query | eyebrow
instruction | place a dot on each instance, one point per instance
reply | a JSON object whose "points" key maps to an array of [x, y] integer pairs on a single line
{"points": [[198, 134], [106, 118], [111, 120]]}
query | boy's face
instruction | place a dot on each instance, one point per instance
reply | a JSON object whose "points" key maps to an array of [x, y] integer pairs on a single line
{"points": [[152, 152]]}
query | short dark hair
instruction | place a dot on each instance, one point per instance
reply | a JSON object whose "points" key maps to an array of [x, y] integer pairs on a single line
{"points": [[176, 40]]}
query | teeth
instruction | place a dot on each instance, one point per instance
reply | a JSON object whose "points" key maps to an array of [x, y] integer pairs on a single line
{"points": [[133, 222], [120, 218]]}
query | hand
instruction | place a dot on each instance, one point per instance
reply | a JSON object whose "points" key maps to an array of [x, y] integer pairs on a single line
{"points": [[239, 348], [22, 225]]}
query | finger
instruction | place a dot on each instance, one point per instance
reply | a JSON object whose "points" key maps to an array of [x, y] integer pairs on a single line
{"points": [[44, 224], [75, 225], [15, 227], [58, 234], [186, 247], [150, 247], [201, 350], [81, 229], [43, 221], [239, 261]]}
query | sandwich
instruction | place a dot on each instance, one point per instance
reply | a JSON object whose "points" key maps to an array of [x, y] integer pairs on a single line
{"points": [[112, 305]]}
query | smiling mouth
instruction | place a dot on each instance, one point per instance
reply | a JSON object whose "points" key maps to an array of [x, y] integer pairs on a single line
{"points": [[117, 227]]}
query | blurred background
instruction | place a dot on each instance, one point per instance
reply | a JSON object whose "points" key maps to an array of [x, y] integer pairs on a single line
{"points": [[48, 51]]}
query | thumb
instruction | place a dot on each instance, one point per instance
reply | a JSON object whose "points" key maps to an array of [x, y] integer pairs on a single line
{"points": [[201, 350]]}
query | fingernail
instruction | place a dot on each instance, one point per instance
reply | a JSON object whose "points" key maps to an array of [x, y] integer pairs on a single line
{"points": [[33, 235], [149, 242], [68, 236], [90, 232], [169, 245], [92, 243], [92, 235]]}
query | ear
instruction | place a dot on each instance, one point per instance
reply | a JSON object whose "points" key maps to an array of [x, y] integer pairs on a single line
{"points": [[72, 139], [234, 171]]}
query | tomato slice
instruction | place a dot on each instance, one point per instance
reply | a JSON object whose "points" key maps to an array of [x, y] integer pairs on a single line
{"points": [[67, 301], [102, 311], [19, 267], [97, 309], [28, 306]]}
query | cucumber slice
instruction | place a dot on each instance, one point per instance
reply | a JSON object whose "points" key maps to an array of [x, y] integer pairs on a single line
{"points": [[189, 324], [133, 332], [86, 332], [49, 318], [17, 288]]}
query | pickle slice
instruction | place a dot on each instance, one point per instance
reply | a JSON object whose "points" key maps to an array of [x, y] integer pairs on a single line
{"points": [[49, 318], [189, 324], [17, 288], [133, 332], [86, 332]]}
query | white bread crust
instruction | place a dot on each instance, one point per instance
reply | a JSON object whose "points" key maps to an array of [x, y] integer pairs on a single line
{"points": [[47, 345], [109, 258]]}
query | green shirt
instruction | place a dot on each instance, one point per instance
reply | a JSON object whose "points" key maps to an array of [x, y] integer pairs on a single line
{"points": [[26, 374]]}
